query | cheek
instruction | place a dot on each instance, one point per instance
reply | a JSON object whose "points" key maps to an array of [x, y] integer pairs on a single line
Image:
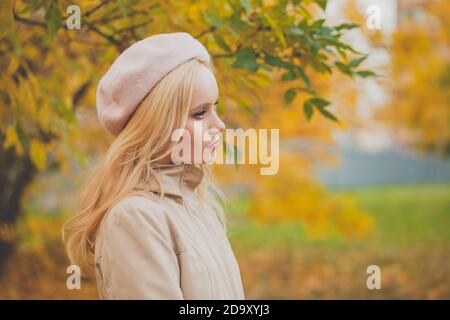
{"points": [[196, 130]]}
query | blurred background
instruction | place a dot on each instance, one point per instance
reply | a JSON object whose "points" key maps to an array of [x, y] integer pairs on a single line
{"points": [[358, 89]]}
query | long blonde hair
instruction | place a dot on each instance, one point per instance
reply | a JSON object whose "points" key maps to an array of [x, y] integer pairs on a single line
{"points": [[145, 140]]}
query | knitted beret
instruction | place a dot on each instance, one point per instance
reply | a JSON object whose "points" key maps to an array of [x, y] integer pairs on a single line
{"points": [[137, 70]]}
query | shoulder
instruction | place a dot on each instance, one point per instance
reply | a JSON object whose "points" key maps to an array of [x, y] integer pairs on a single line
{"points": [[135, 208], [131, 225]]}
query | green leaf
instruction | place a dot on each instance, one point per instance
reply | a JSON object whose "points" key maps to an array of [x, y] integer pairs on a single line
{"points": [[321, 105], [303, 75], [308, 90], [276, 62], [246, 59], [53, 18], [220, 42], [319, 102], [289, 96], [343, 46], [327, 114], [347, 26], [325, 33], [308, 110], [344, 68], [288, 75], [321, 66], [356, 62], [237, 25], [322, 3], [295, 31], [318, 23], [365, 73]]}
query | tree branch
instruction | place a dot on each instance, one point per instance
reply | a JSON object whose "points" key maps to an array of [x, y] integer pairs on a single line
{"points": [[108, 37], [28, 21], [134, 27], [101, 4], [201, 34]]}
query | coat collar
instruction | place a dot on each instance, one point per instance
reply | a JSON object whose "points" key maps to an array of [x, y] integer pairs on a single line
{"points": [[177, 180]]}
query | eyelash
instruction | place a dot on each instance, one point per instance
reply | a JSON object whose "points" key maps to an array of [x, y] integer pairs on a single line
{"points": [[199, 114]]}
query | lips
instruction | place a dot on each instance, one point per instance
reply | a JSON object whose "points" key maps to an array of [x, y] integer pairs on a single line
{"points": [[214, 144]]}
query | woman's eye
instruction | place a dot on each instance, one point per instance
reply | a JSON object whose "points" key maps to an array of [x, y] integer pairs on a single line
{"points": [[199, 114]]}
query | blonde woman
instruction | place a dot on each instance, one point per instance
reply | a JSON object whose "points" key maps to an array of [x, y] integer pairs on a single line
{"points": [[149, 218]]}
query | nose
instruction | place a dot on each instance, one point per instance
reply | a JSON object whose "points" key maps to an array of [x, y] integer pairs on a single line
{"points": [[218, 123]]}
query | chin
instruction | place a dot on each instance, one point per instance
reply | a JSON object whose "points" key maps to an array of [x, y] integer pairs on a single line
{"points": [[209, 158]]}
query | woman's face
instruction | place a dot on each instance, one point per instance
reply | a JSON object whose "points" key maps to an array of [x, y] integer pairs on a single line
{"points": [[201, 137]]}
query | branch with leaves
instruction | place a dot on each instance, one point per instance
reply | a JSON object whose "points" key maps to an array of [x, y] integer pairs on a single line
{"points": [[252, 36]]}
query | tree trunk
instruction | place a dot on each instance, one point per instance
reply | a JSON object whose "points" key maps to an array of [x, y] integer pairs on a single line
{"points": [[16, 172]]}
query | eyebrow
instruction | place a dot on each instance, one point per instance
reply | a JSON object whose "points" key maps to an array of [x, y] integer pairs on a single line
{"points": [[205, 104]]}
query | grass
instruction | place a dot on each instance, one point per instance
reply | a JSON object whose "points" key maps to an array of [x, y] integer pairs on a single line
{"points": [[408, 215], [404, 215], [410, 243]]}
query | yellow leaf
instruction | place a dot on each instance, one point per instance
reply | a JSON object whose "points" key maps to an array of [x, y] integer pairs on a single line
{"points": [[276, 28], [38, 154], [13, 65], [6, 18], [12, 139]]}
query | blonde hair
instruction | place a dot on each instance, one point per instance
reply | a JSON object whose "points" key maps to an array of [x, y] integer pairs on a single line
{"points": [[144, 141]]}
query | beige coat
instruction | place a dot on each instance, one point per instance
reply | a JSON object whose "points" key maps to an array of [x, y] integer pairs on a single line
{"points": [[174, 248]]}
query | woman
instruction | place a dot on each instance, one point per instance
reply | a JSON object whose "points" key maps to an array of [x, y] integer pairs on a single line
{"points": [[148, 219]]}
